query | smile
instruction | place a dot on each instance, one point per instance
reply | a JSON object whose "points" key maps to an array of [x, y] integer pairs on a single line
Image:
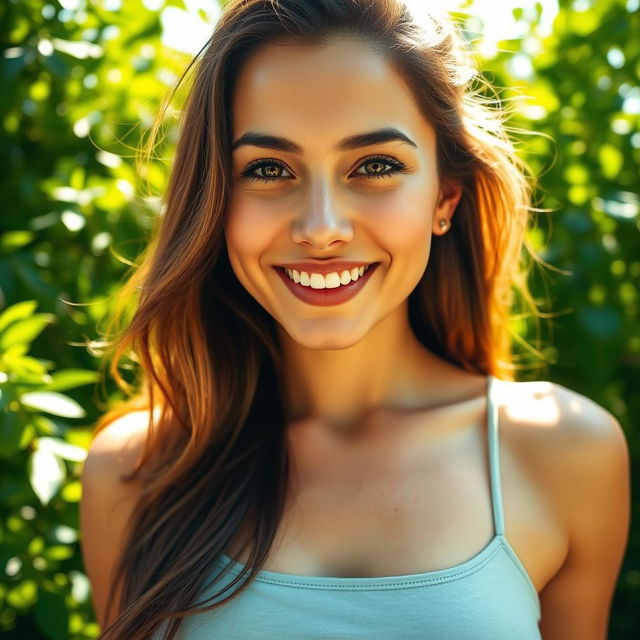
{"points": [[328, 280], [326, 289]]}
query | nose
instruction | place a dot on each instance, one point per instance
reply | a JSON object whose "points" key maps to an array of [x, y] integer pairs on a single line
{"points": [[322, 221]]}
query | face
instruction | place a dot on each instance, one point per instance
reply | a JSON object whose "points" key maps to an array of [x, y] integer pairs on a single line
{"points": [[315, 187]]}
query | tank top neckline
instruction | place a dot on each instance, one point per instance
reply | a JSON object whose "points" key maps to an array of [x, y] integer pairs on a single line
{"points": [[460, 570]]}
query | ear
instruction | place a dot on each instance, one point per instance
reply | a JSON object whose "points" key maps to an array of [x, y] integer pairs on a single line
{"points": [[448, 199]]}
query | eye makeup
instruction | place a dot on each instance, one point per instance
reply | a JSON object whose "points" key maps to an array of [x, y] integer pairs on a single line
{"points": [[396, 167]]}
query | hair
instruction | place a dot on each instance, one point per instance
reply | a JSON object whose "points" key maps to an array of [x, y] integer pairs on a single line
{"points": [[206, 354]]}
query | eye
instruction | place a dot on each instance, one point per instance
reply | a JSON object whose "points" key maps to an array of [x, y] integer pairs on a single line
{"points": [[272, 170], [377, 165]]}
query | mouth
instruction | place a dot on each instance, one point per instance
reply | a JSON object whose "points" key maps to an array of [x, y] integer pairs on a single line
{"points": [[326, 289]]}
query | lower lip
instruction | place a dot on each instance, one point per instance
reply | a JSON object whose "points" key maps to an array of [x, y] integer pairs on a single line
{"points": [[326, 297]]}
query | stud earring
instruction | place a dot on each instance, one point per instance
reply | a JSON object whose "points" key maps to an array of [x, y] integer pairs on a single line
{"points": [[443, 224]]}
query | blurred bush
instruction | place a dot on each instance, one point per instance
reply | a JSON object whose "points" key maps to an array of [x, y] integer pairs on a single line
{"points": [[80, 83]]}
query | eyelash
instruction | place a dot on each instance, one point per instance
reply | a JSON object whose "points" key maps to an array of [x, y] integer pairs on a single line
{"points": [[397, 167]]}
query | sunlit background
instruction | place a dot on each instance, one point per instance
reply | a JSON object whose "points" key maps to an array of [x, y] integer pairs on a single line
{"points": [[81, 82]]}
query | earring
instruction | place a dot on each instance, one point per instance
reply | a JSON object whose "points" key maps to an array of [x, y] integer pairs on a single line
{"points": [[443, 224]]}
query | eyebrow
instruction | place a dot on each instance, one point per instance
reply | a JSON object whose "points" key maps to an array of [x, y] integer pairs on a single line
{"points": [[266, 141]]}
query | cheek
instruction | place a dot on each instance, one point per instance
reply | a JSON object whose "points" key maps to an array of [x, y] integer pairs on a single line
{"points": [[403, 224], [247, 235], [250, 228]]}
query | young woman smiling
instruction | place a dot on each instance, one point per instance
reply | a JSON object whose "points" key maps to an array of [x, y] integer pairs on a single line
{"points": [[328, 422]]}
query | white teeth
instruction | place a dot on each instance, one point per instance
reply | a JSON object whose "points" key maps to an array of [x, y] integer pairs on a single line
{"points": [[328, 281], [316, 281], [332, 280]]}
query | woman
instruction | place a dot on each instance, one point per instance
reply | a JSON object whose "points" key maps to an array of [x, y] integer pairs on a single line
{"points": [[328, 422]]}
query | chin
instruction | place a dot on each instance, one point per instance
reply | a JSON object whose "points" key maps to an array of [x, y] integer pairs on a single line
{"points": [[323, 340]]}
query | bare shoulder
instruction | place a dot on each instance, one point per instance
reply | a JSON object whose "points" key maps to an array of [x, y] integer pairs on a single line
{"points": [[121, 441], [565, 424], [565, 436], [579, 452], [107, 502]]}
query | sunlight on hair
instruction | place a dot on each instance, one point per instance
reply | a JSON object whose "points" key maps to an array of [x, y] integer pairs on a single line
{"points": [[188, 29], [421, 10]]}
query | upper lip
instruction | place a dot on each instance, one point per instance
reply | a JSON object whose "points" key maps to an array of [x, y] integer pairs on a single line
{"points": [[325, 266]]}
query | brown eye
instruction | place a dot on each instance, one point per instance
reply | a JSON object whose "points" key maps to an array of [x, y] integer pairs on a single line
{"points": [[271, 170], [375, 167]]}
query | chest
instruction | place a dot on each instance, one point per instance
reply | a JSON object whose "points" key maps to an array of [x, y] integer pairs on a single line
{"points": [[411, 505]]}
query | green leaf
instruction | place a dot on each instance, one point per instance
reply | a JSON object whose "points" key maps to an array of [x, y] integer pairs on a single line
{"points": [[12, 240], [25, 331], [24, 595], [72, 491], [611, 160], [45, 426], [17, 311], [58, 552], [584, 22], [8, 357], [71, 378], [28, 434], [62, 449], [46, 474], [52, 402], [28, 370], [36, 546]]}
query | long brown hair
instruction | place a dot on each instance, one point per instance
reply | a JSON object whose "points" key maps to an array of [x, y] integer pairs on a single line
{"points": [[207, 354]]}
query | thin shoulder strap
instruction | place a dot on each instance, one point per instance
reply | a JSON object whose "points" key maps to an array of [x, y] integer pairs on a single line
{"points": [[494, 458]]}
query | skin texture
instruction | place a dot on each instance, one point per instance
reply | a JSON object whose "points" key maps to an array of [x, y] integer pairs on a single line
{"points": [[347, 359]]}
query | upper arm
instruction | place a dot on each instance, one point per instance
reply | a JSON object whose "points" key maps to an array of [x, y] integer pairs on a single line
{"points": [[107, 504], [594, 484]]}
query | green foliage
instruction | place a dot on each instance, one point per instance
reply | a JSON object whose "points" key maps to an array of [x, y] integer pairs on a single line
{"points": [[40, 488], [80, 83], [79, 87]]}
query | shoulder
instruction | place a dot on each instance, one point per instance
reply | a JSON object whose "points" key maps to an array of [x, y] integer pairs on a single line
{"points": [[107, 501], [117, 446], [578, 453], [112, 454], [560, 425], [564, 435]]}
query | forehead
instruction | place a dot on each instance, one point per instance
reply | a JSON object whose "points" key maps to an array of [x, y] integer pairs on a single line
{"points": [[323, 92]]}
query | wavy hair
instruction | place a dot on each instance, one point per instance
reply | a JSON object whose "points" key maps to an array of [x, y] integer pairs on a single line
{"points": [[207, 355]]}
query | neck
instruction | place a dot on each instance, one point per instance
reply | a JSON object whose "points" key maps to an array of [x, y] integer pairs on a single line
{"points": [[387, 369]]}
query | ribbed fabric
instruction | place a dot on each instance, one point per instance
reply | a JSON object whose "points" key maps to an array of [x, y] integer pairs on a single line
{"points": [[488, 597]]}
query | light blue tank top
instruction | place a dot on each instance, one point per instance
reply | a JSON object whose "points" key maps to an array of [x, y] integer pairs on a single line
{"points": [[487, 597]]}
